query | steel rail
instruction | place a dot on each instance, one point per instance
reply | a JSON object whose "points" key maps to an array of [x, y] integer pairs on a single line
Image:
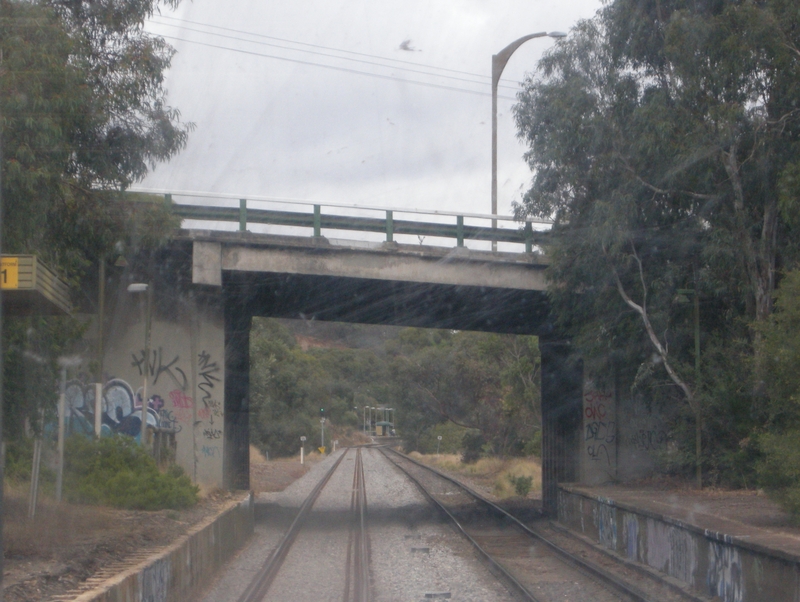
{"points": [[259, 586], [357, 564], [579, 563], [496, 566], [362, 589]]}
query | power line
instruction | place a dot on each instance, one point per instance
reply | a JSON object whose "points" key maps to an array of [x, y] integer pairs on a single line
{"points": [[373, 63], [353, 52], [335, 68]]}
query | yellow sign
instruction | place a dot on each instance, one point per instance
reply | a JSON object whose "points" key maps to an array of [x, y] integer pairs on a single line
{"points": [[9, 272], [321, 450]]}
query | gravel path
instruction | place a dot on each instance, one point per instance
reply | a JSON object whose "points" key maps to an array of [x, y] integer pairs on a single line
{"points": [[413, 552]]}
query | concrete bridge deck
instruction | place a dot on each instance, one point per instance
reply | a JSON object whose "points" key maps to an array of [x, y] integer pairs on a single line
{"points": [[214, 252]]}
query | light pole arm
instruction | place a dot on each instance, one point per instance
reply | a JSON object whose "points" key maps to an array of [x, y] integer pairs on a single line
{"points": [[500, 59]]}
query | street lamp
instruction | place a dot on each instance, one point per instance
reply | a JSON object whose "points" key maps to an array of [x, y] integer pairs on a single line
{"points": [[499, 61], [138, 287]]}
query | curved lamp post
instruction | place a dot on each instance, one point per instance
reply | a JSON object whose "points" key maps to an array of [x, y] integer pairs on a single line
{"points": [[499, 61]]}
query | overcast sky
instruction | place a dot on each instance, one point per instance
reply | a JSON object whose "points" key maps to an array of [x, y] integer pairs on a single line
{"points": [[271, 120]]}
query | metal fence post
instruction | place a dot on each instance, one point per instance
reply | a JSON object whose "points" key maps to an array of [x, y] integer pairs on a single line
{"points": [[460, 230], [317, 222], [242, 215], [528, 237], [389, 226]]}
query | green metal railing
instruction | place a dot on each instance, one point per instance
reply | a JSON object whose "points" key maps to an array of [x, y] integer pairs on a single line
{"points": [[387, 225]]}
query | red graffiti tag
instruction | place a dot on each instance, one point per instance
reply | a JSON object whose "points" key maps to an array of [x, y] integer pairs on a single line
{"points": [[180, 399]]}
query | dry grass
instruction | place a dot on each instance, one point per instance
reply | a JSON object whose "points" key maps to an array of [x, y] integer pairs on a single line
{"points": [[256, 457], [55, 526], [493, 473]]}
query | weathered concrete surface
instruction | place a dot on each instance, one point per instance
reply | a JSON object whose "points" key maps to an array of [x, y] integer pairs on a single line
{"points": [[215, 252], [185, 370], [179, 572], [728, 565]]}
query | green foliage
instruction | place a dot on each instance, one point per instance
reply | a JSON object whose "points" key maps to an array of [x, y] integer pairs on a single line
{"points": [[779, 446], [522, 484], [451, 434], [779, 470], [475, 380], [782, 355], [439, 383], [472, 445], [534, 445], [288, 386], [31, 347], [83, 114], [663, 140], [116, 471]]}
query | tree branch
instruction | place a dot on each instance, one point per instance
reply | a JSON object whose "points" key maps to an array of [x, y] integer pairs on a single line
{"points": [[651, 333]]}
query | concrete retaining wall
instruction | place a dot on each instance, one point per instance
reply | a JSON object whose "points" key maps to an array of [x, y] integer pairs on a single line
{"points": [[178, 572], [711, 563]]}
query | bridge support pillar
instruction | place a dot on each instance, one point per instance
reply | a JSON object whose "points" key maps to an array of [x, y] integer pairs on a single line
{"points": [[562, 399], [236, 468]]}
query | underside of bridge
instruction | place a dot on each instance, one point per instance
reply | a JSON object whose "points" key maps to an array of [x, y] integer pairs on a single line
{"points": [[424, 305]]}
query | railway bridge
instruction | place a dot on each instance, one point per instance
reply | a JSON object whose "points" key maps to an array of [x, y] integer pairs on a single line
{"points": [[235, 259]]}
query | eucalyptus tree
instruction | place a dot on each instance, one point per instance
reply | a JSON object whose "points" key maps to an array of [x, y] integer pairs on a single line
{"points": [[663, 137], [84, 114]]}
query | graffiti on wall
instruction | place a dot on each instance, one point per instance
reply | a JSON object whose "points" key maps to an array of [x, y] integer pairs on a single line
{"points": [[156, 366], [121, 409], [605, 521], [725, 572], [211, 411], [599, 426], [648, 439]]}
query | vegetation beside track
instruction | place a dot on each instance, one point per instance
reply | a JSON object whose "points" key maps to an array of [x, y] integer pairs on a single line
{"points": [[493, 474]]}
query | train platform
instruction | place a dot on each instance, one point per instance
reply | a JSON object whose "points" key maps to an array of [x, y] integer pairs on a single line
{"points": [[730, 545]]}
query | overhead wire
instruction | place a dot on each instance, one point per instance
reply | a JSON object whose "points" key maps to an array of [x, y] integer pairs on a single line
{"points": [[335, 68], [329, 48], [325, 54]]}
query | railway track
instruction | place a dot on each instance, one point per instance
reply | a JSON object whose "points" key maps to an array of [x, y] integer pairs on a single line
{"points": [[533, 563], [522, 556], [356, 585]]}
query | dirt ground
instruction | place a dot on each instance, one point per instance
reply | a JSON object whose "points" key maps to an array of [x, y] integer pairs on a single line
{"points": [[66, 544]]}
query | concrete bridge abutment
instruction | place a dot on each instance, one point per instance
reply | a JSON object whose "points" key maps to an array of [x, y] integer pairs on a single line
{"points": [[209, 286]]}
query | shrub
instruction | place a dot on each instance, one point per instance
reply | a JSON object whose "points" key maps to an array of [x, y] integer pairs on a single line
{"points": [[534, 445], [116, 471], [472, 444], [779, 469], [522, 484]]}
